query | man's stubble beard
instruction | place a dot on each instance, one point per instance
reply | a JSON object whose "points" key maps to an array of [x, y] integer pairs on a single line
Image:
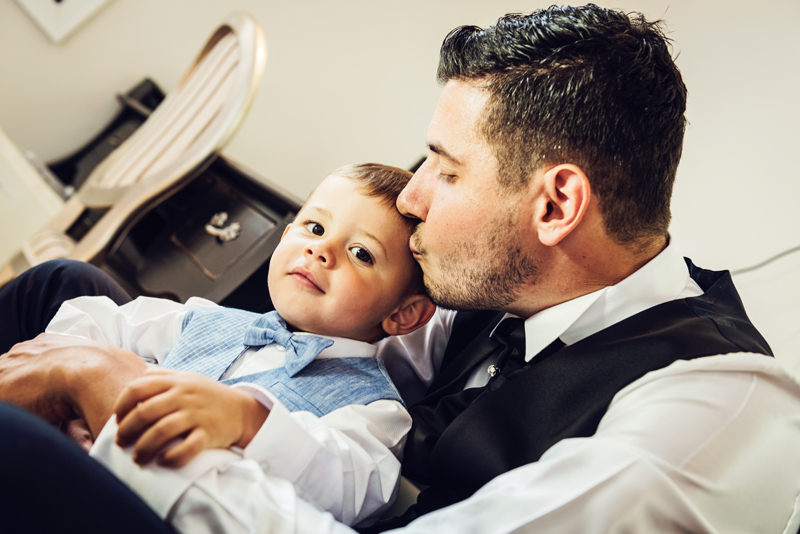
{"points": [[475, 277]]}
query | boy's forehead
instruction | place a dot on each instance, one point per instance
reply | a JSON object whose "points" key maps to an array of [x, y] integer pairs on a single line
{"points": [[333, 183], [343, 195]]}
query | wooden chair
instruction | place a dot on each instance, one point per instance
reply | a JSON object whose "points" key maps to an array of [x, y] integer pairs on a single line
{"points": [[189, 127]]}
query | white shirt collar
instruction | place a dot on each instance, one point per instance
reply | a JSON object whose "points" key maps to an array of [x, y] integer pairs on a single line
{"points": [[346, 348], [662, 279]]}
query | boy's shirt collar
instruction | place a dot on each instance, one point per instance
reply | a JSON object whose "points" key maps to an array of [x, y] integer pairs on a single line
{"points": [[345, 348]]}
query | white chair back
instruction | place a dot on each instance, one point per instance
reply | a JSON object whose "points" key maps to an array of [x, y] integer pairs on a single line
{"points": [[192, 124]]}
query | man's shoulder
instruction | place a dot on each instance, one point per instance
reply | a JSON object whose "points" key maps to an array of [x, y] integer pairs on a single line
{"points": [[720, 304]]}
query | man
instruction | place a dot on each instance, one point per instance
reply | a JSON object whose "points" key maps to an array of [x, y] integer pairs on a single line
{"points": [[616, 404], [546, 195]]}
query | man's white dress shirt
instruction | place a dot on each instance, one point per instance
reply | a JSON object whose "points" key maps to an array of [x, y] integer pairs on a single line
{"points": [[706, 445]]}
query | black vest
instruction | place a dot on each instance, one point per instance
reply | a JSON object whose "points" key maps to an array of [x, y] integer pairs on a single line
{"points": [[562, 396]]}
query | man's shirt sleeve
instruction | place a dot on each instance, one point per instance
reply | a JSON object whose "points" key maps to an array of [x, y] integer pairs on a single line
{"points": [[706, 446]]}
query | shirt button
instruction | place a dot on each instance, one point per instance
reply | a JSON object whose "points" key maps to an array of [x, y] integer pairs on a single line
{"points": [[264, 466], [280, 348]]}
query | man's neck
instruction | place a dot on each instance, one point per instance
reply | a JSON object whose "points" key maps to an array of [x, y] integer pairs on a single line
{"points": [[575, 273]]}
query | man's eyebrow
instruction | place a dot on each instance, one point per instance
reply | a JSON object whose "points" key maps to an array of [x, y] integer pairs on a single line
{"points": [[442, 152]]}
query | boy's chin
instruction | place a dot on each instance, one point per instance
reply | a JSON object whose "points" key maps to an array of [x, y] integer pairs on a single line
{"points": [[293, 323]]}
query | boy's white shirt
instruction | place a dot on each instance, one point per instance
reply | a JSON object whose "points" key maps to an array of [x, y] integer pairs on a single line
{"points": [[345, 462]]}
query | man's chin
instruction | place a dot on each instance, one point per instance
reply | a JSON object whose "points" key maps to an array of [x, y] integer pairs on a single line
{"points": [[460, 300], [464, 291]]}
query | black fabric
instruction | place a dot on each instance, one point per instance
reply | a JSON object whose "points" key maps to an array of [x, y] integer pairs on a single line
{"points": [[510, 334], [456, 446], [436, 412], [469, 321], [464, 353], [49, 484], [29, 302], [513, 362]]}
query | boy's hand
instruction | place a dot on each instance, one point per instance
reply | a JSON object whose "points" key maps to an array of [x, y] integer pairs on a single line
{"points": [[163, 405]]}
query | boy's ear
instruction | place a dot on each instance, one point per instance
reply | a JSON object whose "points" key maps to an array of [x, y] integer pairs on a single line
{"points": [[286, 230], [414, 312]]}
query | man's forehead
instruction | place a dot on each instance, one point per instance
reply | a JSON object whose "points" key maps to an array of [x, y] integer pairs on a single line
{"points": [[457, 117], [469, 92]]}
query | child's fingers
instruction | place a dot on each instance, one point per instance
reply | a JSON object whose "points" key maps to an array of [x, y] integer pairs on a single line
{"points": [[159, 435], [139, 390], [182, 453], [145, 414]]}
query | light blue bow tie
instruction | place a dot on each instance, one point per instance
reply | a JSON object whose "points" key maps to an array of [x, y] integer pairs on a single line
{"points": [[300, 350]]}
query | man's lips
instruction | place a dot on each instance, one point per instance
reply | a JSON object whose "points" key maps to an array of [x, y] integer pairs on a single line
{"points": [[304, 277], [414, 247]]}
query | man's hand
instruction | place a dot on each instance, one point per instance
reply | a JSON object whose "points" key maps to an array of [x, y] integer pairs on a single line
{"points": [[163, 405], [61, 378], [78, 431]]}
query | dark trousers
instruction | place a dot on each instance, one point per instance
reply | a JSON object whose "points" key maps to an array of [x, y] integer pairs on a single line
{"points": [[29, 302], [48, 483]]}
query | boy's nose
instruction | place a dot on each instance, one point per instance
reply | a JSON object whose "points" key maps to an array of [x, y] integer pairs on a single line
{"points": [[319, 250]]}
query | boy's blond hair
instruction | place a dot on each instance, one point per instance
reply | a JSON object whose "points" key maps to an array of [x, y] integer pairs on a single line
{"points": [[386, 183]]}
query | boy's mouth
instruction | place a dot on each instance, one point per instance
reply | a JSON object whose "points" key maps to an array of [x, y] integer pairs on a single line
{"points": [[304, 277]]}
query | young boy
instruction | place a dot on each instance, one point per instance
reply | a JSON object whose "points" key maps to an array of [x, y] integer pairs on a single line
{"points": [[316, 409]]}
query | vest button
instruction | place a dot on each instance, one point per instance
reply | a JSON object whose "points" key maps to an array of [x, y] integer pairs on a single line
{"points": [[493, 370]]}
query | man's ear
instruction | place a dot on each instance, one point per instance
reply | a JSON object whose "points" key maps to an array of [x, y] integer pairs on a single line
{"points": [[414, 312], [565, 199]]}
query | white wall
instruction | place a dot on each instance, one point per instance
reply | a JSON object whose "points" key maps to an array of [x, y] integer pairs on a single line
{"points": [[354, 81]]}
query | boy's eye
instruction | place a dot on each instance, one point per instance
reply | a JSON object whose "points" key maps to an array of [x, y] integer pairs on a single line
{"points": [[361, 254], [315, 228]]}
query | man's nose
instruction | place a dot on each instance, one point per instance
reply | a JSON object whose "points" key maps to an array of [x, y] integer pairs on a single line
{"points": [[415, 197], [321, 251]]}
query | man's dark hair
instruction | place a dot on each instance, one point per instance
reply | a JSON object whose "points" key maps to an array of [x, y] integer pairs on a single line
{"points": [[584, 85]]}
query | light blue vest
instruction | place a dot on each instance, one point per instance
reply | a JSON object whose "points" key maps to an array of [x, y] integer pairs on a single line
{"points": [[211, 340]]}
